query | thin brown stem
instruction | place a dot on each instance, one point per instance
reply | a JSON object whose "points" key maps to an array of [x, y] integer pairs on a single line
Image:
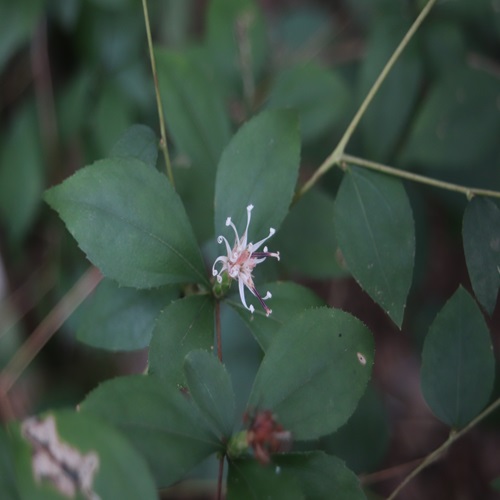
{"points": [[220, 477], [217, 330], [25, 298], [163, 139], [438, 452], [47, 328]]}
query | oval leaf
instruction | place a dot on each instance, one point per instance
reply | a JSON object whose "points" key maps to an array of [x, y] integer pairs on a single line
{"points": [[458, 366], [481, 235], [258, 167], [84, 456], [159, 420], [315, 372], [122, 319], [194, 108], [249, 480], [319, 475], [130, 222], [375, 231], [185, 325], [306, 242], [210, 387], [287, 300]]}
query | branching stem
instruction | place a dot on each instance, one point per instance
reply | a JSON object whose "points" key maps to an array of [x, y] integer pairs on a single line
{"points": [[379, 167], [432, 457], [337, 153], [163, 139]]}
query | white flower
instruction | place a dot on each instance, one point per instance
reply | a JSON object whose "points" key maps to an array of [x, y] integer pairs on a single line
{"points": [[241, 260]]}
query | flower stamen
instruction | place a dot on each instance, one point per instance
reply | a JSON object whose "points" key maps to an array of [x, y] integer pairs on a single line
{"points": [[240, 261]]}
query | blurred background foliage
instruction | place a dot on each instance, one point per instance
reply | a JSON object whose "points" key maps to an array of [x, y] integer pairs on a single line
{"points": [[75, 75]]}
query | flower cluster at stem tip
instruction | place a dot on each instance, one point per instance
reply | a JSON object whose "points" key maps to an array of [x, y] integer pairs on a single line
{"points": [[241, 260]]}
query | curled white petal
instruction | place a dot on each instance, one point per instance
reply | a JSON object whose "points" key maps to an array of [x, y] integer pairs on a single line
{"points": [[241, 259]]}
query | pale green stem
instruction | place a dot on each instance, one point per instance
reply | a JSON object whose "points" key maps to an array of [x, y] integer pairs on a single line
{"points": [[439, 451], [163, 139], [337, 153], [379, 167]]}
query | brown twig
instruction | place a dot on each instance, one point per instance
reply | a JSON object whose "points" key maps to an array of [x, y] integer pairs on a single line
{"points": [[45, 330]]}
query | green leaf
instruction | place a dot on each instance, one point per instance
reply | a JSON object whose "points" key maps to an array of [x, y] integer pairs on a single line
{"points": [[249, 480], [443, 135], [364, 441], [258, 167], [138, 141], [120, 472], [21, 173], [303, 28], [185, 325], [17, 24], [194, 108], [200, 128], [306, 241], [458, 366], [288, 299], [8, 486], [210, 387], [319, 475], [122, 319], [385, 120], [375, 230], [111, 116], [481, 236], [319, 95], [73, 101], [314, 372], [160, 421], [231, 23], [130, 222]]}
